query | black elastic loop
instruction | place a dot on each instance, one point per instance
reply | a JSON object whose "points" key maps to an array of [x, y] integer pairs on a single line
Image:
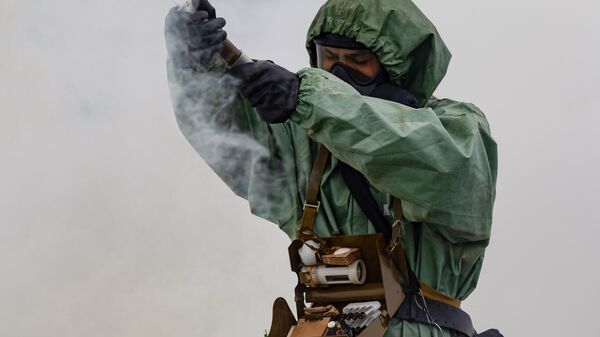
{"points": [[359, 188]]}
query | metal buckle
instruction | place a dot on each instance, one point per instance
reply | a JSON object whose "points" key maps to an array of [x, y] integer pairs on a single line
{"points": [[391, 248], [317, 206], [384, 318]]}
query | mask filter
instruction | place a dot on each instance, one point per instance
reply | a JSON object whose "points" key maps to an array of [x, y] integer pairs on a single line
{"points": [[376, 87], [363, 84]]}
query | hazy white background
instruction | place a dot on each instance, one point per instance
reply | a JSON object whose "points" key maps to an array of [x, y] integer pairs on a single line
{"points": [[111, 225]]}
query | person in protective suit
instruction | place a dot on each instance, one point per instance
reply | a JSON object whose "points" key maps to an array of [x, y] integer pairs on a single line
{"points": [[368, 99]]}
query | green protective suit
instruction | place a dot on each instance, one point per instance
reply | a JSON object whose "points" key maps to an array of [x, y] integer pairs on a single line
{"points": [[440, 159]]}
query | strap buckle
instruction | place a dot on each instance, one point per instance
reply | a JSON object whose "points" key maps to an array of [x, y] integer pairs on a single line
{"points": [[316, 207], [384, 318], [395, 241]]}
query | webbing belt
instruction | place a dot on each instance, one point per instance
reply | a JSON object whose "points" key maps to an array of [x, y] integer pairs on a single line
{"points": [[394, 250], [439, 313]]}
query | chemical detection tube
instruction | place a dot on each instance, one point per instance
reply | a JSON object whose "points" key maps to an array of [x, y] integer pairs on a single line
{"points": [[325, 275], [230, 53]]}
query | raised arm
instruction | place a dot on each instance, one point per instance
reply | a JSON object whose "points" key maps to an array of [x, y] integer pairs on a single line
{"points": [[440, 160], [252, 157]]}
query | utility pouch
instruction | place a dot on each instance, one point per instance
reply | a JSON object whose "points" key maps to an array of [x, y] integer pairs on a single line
{"points": [[381, 284]]}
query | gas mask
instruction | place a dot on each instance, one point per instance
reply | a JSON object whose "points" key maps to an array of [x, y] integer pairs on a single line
{"points": [[364, 85], [377, 86]]}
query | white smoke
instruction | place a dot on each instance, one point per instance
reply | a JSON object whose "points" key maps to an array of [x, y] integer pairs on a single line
{"points": [[111, 224]]}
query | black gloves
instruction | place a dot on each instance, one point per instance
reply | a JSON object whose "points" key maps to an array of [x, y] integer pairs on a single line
{"points": [[271, 89], [193, 39]]}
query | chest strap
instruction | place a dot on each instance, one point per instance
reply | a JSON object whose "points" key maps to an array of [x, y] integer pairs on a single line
{"points": [[312, 203]]}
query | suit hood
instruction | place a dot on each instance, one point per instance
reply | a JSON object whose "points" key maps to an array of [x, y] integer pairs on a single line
{"points": [[407, 44]]}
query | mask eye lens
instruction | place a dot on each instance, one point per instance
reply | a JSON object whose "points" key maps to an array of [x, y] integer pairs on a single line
{"points": [[323, 56], [360, 60]]}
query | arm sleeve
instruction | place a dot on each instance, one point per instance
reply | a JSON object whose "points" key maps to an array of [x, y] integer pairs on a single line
{"points": [[439, 160], [253, 158]]}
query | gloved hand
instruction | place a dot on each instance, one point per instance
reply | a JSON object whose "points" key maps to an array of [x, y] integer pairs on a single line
{"points": [[271, 89], [194, 39]]}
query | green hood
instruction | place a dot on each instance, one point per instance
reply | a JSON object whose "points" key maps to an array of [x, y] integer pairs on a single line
{"points": [[406, 42]]}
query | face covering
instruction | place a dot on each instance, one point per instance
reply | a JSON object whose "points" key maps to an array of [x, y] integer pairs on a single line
{"points": [[364, 85], [377, 86]]}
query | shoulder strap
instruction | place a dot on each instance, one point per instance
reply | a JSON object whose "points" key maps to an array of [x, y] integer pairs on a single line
{"points": [[359, 188], [312, 203]]}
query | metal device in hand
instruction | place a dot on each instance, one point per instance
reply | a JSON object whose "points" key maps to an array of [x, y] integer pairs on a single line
{"points": [[230, 53]]}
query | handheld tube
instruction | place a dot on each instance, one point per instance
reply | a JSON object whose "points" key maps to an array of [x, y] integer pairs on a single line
{"points": [[230, 53]]}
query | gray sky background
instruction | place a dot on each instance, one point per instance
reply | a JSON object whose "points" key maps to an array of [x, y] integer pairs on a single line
{"points": [[111, 225]]}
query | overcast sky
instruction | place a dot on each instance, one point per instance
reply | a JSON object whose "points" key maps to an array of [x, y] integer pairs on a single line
{"points": [[111, 225]]}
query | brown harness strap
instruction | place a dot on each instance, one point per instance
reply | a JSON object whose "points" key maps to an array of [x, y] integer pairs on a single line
{"points": [[397, 225], [435, 295], [398, 256], [395, 250], [312, 203]]}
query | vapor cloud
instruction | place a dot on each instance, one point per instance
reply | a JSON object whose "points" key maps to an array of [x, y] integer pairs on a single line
{"points": [[112, 225]]}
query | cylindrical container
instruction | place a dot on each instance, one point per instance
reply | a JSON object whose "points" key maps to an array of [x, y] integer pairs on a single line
{"points": [[323, 275], [308, 253]]}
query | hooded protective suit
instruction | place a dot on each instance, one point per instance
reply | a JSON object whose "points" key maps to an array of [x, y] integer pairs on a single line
{"points": [[440, 159]]}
